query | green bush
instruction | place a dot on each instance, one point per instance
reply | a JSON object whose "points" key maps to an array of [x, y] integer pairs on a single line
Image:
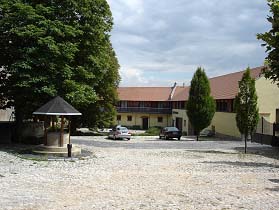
{"points": [[153, 131]]}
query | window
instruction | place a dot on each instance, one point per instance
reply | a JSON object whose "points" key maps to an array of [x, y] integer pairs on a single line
{"points": [[160, 119], [129, 118], [118, 117]]}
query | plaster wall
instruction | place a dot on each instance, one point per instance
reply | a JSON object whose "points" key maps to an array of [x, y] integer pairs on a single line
{"points": [[268, 98], [225, 123], [137, 119], [181, 113]]}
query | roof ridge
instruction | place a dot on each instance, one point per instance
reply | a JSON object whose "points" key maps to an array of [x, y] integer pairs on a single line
{"points": [[146, 87], [252, 69]]}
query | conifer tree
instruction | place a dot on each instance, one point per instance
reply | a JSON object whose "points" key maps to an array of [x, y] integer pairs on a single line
{"points": [[200, 106], [247, 112]]}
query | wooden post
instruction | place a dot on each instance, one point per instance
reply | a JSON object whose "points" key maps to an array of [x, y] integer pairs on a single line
{"points": [[69, 130], [262, 130], [62, 131], [52, 123], [45, 124]]}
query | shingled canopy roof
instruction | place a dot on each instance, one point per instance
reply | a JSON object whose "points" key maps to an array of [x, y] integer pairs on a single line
{"points": [[57, 106]]}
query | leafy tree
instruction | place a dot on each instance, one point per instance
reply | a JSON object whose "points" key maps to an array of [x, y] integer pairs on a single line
{"points": [[53, 47], [201, 106], [247, 112], [271, 39]]}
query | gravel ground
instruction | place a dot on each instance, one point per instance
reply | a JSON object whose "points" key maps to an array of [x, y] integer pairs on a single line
{"points": [[145, 173]]}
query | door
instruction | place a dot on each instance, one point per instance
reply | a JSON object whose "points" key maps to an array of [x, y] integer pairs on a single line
{"points": [[178, 123], [145, 123]]}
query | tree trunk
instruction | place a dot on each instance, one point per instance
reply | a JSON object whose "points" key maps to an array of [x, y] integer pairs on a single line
{"points": [[18, 126], [73, 127], [245, 144]]}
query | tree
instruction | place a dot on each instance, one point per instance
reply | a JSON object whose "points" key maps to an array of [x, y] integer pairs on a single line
{"points": [[50, 48], [200, 106], [247, 112], [271, 39]]}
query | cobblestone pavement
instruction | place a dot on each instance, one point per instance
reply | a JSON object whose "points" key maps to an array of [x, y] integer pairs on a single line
{"points": [[145, 173]]}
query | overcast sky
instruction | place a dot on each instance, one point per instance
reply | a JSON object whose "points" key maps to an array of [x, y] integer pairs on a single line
{"points": [[159, 42]]}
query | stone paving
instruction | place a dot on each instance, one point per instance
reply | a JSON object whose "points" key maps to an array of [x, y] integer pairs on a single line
{"points": [[145, 173]]}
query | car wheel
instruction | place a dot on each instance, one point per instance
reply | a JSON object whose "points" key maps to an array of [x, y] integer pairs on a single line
{"points": [[160, 137], [128, 139], [178, 138], [166, 137]]}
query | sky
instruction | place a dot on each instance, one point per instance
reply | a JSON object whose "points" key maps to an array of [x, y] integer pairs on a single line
{"points": [[159, 42]]}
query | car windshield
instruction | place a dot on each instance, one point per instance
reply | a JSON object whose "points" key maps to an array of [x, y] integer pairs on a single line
{"points": [[172, 129], [123, 129]]}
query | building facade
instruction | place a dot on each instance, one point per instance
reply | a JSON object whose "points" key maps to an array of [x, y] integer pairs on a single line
{"points": [[145, 107]]}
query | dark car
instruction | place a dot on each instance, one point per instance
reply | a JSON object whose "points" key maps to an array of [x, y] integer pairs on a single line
{"points": [[207, 133], [170, 132]]}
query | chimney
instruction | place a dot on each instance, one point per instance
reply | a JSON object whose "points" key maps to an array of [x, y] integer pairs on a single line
{"points": [[173, 90]]}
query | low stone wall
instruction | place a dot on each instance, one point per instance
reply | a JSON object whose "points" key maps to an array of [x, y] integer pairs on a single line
{"points": [[6, 132], [53, 138], [33, 129]]}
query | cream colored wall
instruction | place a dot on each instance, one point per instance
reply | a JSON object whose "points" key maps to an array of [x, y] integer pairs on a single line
{"points": [[268, 98], [225, 123], [268, 102], [182, 114], [137, 119]]}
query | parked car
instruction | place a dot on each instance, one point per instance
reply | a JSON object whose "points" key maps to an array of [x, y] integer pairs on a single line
{"points": [[170, 132], [119, 132], [207, 133]]}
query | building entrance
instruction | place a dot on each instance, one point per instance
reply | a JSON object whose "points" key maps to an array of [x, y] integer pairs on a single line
{"points": [[145, 123]]}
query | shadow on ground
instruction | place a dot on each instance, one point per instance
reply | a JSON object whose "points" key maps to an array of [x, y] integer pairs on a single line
{"points": [[275, 189], [243, 164], [266, 151], [25, 152]]}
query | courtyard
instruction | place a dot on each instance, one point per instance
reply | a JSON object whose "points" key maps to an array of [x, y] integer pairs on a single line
{"points": [[144, 173]]}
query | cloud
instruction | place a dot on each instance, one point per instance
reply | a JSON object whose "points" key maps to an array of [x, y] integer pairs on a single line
{"points": [[165, 41]]}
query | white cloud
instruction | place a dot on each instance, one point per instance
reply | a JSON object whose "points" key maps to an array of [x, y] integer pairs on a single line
{"points": [[172, 38], [132, 77], [131, 39]]}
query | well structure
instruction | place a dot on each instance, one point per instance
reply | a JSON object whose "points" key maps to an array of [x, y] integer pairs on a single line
{"points": [[57, 142]]}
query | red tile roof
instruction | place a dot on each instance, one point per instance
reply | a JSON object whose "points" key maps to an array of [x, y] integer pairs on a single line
{"points": [[181, 93], [226, 86], [144, 93], [222, 87]]}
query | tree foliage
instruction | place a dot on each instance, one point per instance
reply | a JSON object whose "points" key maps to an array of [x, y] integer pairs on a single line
{"points": [[271, 39], [53, 47], [200, 106], [247, 112]]}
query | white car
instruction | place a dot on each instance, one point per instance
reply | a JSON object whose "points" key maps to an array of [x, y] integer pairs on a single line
{"points": [[119, 132]]}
